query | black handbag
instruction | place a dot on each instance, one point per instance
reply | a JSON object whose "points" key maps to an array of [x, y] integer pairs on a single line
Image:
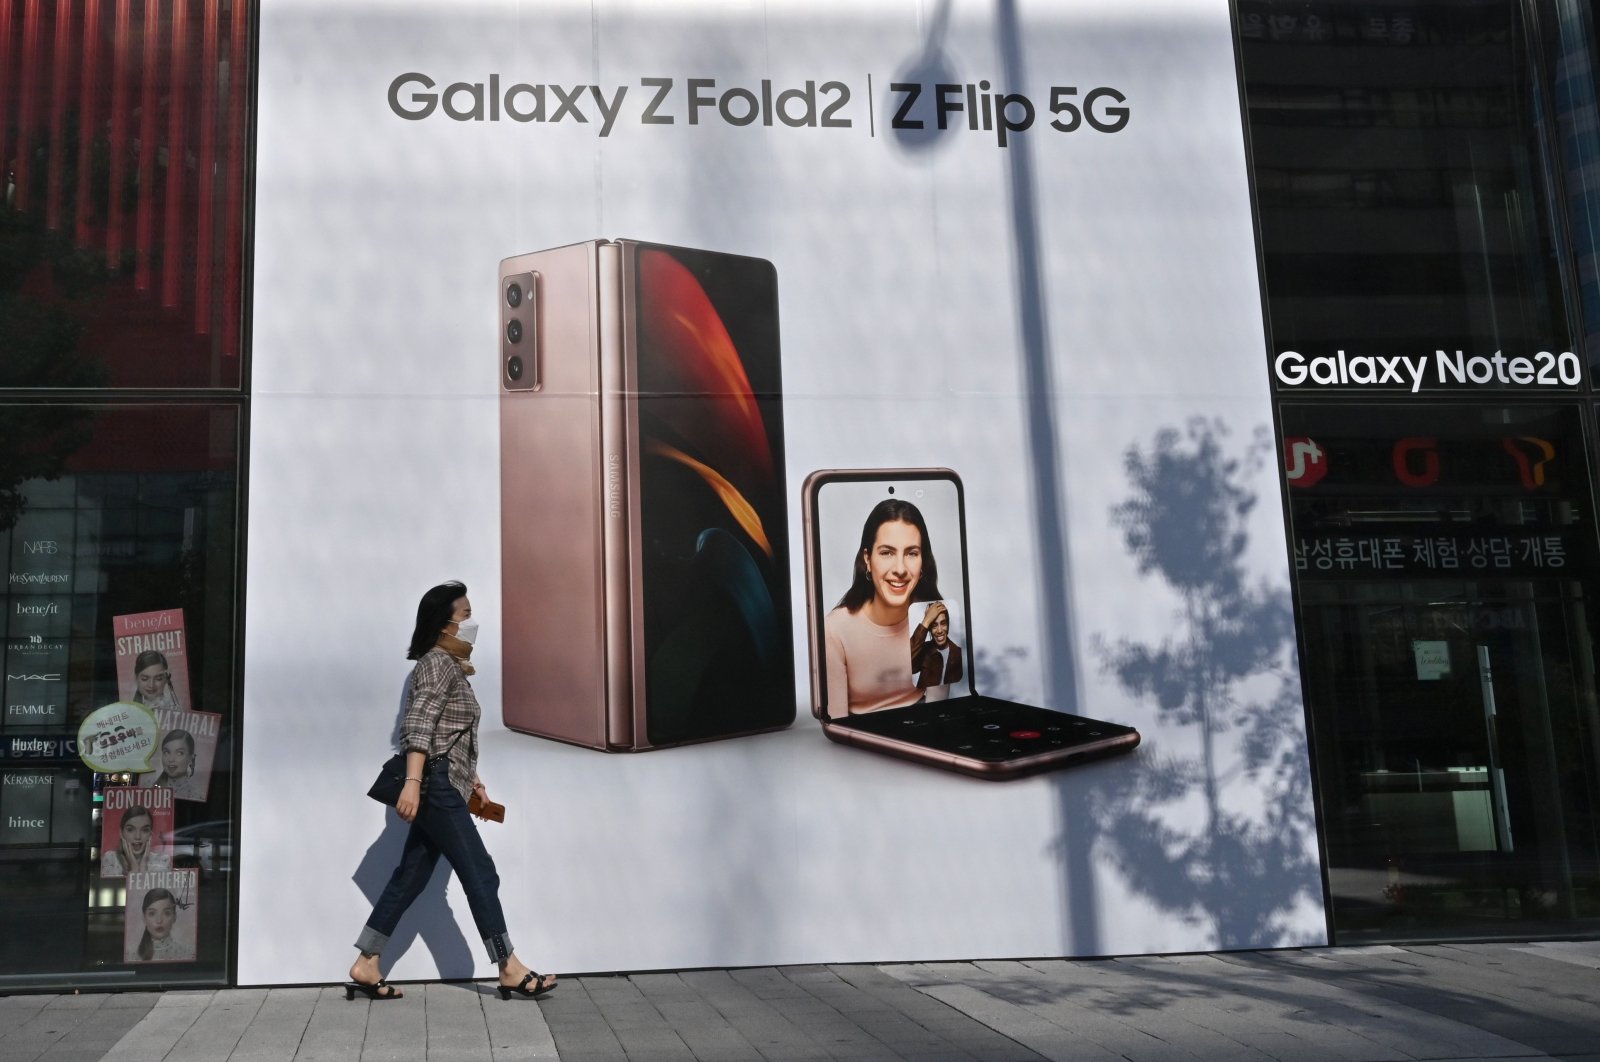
{"points": [[392, 776], [392, 779]]}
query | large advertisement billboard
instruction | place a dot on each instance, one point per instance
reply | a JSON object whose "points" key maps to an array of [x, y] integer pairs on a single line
{"points": [[772, 373]]}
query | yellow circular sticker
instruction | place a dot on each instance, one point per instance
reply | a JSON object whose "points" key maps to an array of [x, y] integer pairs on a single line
{"points": [[119, 737]]}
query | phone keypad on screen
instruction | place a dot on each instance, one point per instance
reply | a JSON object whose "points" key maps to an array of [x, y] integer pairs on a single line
{"points": [[982, 728]]}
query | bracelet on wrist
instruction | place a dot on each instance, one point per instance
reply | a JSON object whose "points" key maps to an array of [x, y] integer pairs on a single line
{"points": [[410, 779]]}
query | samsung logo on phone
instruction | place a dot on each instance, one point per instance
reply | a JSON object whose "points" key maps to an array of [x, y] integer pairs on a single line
{"points": [[613, 486]]}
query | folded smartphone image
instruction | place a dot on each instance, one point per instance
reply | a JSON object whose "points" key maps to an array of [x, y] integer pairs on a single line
{"points": [[644, 525], [888, 616]]}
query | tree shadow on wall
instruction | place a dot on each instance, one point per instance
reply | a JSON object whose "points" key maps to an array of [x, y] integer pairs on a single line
{"points": [[1225, 667]]}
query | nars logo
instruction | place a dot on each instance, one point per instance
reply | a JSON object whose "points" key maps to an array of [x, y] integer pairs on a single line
{"points": [[40, 545]]}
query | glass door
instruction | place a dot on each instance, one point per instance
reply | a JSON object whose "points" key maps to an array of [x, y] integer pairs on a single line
{"points": [[1441, 554], [1455, 744]]}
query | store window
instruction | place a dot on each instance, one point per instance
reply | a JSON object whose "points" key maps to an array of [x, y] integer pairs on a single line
{"points": [[1442, 557], [1412, 166], [1406, 190], [119, 528], [123, 161], [1570, 48]]}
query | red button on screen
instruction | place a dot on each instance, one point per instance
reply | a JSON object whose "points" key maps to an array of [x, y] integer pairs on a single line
{"points": [[1024, 733]]}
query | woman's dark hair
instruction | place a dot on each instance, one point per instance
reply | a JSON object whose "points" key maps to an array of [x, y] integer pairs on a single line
{"points": [[148, 657], [147, 946], [888, 511], [187, 738], [433, 612]]}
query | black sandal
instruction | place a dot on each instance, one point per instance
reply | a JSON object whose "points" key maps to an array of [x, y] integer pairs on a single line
{"points": [[523, 990], [380, 991]]}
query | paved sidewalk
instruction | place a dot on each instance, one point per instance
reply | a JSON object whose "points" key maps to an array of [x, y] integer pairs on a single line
{"points": [[1377, 1004]]}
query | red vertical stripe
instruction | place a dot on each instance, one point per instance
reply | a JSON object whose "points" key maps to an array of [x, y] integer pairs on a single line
{"points": [[28, 98], [60, 68], [121, 47], [173, 252], [144, 235], [206, 169], [88, 115], [7, 72], [238, 92]]}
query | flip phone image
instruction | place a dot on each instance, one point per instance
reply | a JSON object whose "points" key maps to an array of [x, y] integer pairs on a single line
{"points": [[889, 624], [644, 542]]}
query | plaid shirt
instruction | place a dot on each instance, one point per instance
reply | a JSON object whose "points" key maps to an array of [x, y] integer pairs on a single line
{"points": [[443, 710]]}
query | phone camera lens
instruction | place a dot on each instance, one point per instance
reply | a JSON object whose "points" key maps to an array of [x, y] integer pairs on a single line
{"points": [[891, 490], [513, 295], [514, 367], [514, 332]]}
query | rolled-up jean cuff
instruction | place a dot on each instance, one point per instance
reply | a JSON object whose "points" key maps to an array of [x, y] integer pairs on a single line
{"points": [[500, 947], [371, 942]]}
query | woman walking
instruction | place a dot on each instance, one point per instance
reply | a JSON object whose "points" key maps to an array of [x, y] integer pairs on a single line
{"points": [[440, 740]]}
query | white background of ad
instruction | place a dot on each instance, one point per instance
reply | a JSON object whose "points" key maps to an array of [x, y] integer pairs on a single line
{"points": [[1026, 316]]}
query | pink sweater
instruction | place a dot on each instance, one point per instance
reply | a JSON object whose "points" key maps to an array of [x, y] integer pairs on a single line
{"points": [[869, 667]]}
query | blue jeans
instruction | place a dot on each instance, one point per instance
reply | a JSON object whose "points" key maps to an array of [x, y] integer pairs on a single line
{"points": [[442, 828]]}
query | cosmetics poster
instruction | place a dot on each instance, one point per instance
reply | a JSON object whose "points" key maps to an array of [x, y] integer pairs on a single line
{"points": [[1010, 240], [162, 915], [135, 830], [152, 659], [184, 753]]}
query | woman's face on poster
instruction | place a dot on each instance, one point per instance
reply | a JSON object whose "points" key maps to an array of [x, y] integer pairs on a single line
{"points": [[176, 759], [136, 833], [895, 562], [153, 681], [159, 918]]}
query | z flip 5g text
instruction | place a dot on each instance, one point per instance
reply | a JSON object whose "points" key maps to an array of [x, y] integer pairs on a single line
{"points": [[700, 101], [1005, 113]]}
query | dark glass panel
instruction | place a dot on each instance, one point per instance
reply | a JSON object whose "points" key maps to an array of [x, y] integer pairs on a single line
{"points": [[137, 517], [1442, 555], [123, 144], [1404, 188]]}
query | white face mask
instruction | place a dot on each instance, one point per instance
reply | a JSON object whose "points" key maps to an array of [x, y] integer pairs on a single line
{"points": [[467, 630]]}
